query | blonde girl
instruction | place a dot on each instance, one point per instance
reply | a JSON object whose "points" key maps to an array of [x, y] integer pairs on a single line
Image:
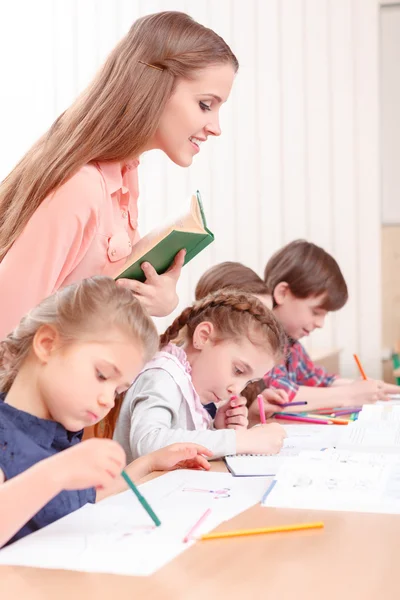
{"points": [[64, 367]]}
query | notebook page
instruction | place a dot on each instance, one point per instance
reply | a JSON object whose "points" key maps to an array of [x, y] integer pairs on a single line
{"points": [[299, 438]]}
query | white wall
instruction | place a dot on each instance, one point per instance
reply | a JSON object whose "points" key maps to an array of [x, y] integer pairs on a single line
{"points": [[299, 154], [390, 94]]}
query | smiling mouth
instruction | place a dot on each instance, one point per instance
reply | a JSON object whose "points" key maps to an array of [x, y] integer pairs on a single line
{"points": [[196, 141]]}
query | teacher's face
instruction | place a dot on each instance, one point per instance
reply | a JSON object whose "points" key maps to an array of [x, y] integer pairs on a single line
{"points": [[191, 115]]}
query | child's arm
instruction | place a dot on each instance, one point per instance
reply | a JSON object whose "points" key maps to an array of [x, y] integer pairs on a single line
{"points": [[176, 456], [36, 488], [158, 416], [355, 393], [88, 464]]}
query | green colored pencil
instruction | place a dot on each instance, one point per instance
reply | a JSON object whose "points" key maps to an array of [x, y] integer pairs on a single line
{"points": [[141, 499]]}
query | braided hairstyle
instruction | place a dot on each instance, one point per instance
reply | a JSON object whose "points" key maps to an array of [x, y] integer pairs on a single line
{"points": [[234, 315]]}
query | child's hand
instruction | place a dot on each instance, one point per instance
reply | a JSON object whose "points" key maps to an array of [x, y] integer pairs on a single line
{"points": [[366, 392], [390, 388], [232, 414], [263, 439], [183, 455], [92, 463], [272, 398]]}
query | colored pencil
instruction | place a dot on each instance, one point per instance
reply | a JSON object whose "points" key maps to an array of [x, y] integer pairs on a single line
{"points": [[347, 411], [261, 409], [331, 418], [304, 419], [360, 367], [278, 529], [337, 411], [141, 499], [286, 404], [196, 525]]}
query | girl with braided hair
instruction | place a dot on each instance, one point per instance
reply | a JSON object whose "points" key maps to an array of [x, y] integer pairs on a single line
{"points": [[227, 338]]}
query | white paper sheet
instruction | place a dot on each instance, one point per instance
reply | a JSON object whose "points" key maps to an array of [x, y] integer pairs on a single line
{"points": [[338, 480], [371, 436], [299, 438], [117, 536], [380, 413]]}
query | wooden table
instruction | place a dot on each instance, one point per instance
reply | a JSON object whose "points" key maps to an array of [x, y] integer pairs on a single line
{"points": [[356, 557]]}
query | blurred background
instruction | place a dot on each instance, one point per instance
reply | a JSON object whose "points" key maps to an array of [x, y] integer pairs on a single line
{"points": [[310, 144]]}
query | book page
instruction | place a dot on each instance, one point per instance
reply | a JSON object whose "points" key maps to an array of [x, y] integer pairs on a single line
{"points": [[117, 535]]}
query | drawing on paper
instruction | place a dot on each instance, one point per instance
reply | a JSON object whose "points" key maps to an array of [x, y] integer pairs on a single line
{"points": [[218, 494]]}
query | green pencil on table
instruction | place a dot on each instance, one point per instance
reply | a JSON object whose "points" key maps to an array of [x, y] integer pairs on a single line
{"points": [[141, 499]]}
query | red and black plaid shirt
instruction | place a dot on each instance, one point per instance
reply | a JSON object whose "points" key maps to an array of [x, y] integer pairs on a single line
{"points": [[298, 370]]}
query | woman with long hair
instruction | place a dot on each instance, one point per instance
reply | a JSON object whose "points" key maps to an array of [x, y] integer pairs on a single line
{"points": [[68, 210]]}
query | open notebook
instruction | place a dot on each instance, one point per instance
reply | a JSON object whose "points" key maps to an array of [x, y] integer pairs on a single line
{"points": [[299, 438], [160, 246]]}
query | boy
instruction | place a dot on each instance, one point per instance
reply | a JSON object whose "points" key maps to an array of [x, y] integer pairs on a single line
{"points": [[304, 283]]}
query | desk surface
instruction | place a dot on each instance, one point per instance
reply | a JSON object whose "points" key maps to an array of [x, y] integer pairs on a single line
{"points": [[355, 557]]}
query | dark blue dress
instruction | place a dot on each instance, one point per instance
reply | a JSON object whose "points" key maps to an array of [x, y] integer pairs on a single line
{"points": [[24, 441]]}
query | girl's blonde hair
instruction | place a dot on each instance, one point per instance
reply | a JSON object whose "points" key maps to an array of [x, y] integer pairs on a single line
{"points": [[234, 315], [113, 119], [81, 311]]}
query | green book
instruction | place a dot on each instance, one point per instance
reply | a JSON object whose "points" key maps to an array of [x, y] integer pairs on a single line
{"points": [[160, 247]]}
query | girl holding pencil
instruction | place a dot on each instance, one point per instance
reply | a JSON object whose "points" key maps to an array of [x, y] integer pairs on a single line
{"points": [[207, 355], [66, 366]]}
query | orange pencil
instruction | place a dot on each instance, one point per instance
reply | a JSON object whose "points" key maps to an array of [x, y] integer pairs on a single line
{"points": [[360, 367]]}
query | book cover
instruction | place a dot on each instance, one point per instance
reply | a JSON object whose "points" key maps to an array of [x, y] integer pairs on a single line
{"points": [[190, 233]]}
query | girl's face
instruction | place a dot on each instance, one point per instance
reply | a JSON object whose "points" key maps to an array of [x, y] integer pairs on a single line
{"points": [[223, 368], [78, 382], [192, 114]]}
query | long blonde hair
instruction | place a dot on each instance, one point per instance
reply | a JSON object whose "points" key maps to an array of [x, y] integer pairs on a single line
{"points": [[81, 311], [115, 116]]}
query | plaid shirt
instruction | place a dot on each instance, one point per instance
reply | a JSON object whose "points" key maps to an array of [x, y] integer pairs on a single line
{"points": [[298, 370]]}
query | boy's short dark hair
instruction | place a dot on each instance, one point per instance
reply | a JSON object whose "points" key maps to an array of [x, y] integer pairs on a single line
{"points": [[309, 271], [230, 275]]}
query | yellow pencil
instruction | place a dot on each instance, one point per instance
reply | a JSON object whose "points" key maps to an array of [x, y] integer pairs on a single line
{"points": [[278, 529]]}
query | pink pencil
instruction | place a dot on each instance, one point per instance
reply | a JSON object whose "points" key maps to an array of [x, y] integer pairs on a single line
{"points": [[196, 525], [301, 418], [261, 409]]}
